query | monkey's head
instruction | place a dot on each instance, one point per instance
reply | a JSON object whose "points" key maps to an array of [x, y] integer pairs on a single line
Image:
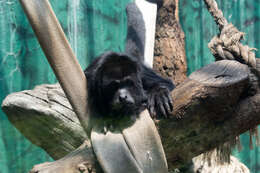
{"points": [[115, 86]]}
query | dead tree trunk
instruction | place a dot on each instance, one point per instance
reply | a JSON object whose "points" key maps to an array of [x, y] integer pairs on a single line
{"points": [[169, 50]]}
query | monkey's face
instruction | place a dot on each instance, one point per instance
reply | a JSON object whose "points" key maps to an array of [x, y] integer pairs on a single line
{"points": [[115, 86], [122, 88]]}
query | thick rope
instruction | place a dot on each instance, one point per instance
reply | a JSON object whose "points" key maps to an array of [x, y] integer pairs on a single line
{"points": [[227, 44]]}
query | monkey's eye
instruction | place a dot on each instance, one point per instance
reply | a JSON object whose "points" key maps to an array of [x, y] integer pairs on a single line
{"points": [[113, 84], [129, 82]]}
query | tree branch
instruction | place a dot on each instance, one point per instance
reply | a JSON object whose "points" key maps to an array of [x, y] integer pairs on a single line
{"points": [[57, 50], [169, 49], [211, 103]]}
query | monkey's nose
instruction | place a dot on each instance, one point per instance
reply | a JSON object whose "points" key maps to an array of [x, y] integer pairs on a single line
{"points": [[122, 97]]}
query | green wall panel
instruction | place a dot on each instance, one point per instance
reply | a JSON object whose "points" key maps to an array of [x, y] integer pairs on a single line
{"points": [[21, 67]]}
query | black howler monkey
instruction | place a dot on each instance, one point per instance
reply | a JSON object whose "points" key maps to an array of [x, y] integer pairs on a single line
{"points": [[120, 83]]}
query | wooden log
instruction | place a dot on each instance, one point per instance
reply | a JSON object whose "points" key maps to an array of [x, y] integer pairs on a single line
{"points": [[58, 52], [46, 112], [204, 101], [169, 48], [209, 103], [82, 160]]}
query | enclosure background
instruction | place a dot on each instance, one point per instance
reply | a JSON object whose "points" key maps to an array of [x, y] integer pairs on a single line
{"points": [[93, 26]]}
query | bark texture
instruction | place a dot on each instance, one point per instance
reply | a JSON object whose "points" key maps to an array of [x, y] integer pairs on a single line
{"points": [[212, 105], [169, 51]]}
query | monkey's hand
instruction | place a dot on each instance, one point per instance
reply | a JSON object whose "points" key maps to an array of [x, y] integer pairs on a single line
{"points": [[159, 102]]}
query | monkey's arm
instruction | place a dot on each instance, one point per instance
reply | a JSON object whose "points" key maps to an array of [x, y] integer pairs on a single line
{"points": [[158, 92], [150, 79]]}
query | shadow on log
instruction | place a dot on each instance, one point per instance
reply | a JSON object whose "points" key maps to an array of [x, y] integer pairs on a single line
{"points": [[212, 103]]}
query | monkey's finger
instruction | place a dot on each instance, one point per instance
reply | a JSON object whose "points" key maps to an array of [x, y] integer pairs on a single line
{"points": [[161, 107], [166, 105], [170, 101], [151, 106], [151, 111], [165, 101], [167, 94]]}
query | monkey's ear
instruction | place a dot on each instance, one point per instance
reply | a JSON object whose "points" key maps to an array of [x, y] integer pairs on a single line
{"points": [[98, 63]]}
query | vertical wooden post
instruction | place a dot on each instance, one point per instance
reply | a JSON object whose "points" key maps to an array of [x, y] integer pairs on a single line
{"points": [[59, 54]]}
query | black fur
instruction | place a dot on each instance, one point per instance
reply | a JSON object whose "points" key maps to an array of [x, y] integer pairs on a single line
{"points": [[135, 40], [112, 75], [112, 72]]}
